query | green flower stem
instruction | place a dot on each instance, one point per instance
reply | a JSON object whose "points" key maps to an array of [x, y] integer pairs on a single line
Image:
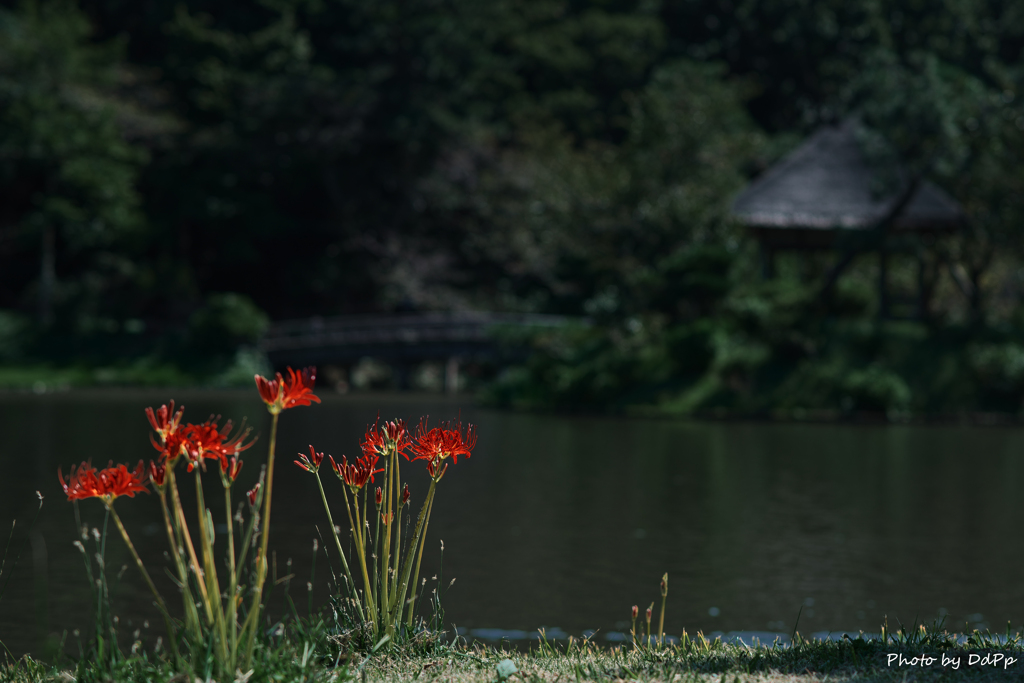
{"points": [[261, 558], [210, 564], [370, 599], [341, 553], [376, 543], [171, 634], [102, 596], [661, 618], [232, 586], [365, 528], [419, 559], [398, 530], [179, 514], [191, 613], [407, 565], [386, 566]]}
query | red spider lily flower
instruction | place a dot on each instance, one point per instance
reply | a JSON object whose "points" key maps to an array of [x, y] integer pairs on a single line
{"points": [[231, 468], [373, 442], [107, 484], [252, 494], [207, 440], [164, 420], [382, 439], [157, 474], [280, 393], [173, 447], [357, 474], [379, 496], [310, 463], [441, 442], [406, 495]]}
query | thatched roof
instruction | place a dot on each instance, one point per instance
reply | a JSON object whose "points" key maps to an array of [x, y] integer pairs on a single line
{"points": [[827, 183]]}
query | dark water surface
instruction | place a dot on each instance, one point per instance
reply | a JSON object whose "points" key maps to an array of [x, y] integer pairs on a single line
{"points": [[567, 522]]}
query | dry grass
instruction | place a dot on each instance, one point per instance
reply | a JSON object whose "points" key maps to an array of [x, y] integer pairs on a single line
{"points": [[693, 660]]}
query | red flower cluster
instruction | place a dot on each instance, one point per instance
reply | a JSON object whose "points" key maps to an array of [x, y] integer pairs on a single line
{"points": [[310, 463], [165, 421], [280, 393], [357, 474], [109, 483], [437, 444], [380, 439], [196, 442]]}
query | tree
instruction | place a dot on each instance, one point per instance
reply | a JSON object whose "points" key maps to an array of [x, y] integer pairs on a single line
{"points": [[67, 174]]}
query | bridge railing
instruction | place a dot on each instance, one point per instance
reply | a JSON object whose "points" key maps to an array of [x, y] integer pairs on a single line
{"points": [[408, 329]]}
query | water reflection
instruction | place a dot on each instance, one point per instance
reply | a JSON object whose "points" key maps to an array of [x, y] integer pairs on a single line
{"points": [[567, 522]]}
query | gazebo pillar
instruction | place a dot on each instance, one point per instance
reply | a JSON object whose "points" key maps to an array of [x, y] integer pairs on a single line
{"points": [[767, 261]]}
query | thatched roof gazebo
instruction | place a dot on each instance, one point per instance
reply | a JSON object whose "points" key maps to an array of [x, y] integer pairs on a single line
{"points": [[827, 195]]}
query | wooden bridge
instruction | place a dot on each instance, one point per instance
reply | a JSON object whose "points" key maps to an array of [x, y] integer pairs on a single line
{"points": [[402, 340]]}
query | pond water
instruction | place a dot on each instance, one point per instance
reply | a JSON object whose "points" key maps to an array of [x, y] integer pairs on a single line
{"points": [[566, 522]]}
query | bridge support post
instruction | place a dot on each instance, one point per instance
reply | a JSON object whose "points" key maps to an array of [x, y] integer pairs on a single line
{"points": [[451, 375]]}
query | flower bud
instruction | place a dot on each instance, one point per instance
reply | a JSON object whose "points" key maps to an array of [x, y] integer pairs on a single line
{"points": [[664, 585], [379, 496], [636, 611], [231, 467], [406, 495], [650, 610], [252, 494], [157, 474]]}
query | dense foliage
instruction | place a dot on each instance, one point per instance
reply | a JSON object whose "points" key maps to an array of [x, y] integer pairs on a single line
{"points": [[173, 173]]}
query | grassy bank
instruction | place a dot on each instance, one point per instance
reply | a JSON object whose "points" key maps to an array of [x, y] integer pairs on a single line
{"points": [[981, 658], [149, 371]]}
